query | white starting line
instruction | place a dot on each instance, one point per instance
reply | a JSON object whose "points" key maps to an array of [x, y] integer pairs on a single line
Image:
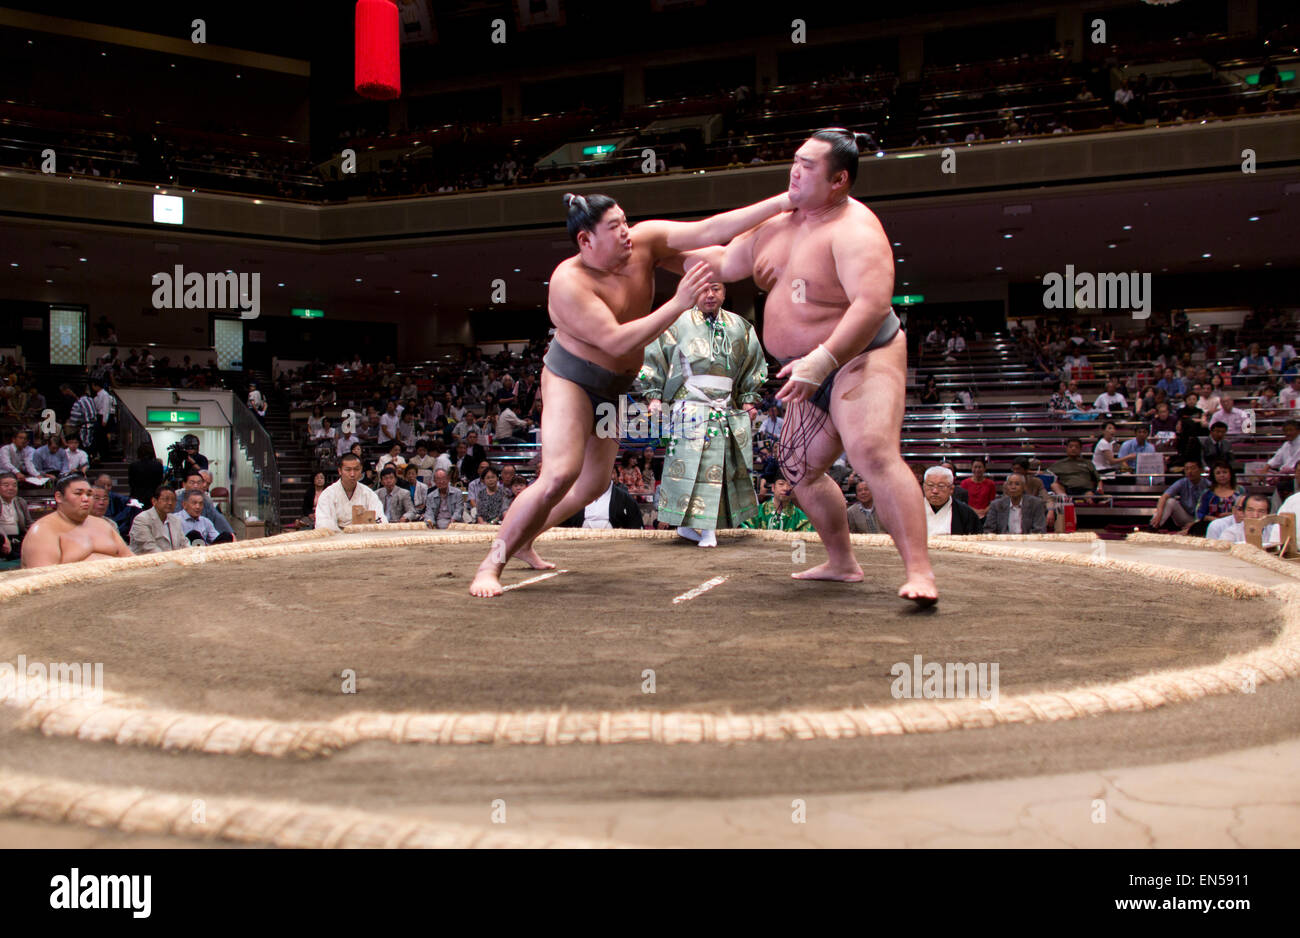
{"points": [[533, 579], [702, 588]]}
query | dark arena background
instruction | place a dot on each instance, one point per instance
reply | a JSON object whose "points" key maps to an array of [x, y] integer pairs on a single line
{"points": [[251, 239]]}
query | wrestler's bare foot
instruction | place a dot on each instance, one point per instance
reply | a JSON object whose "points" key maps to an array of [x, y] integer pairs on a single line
{"points": [[825, 571], [920, 590], [487, 582], [530, 556]]}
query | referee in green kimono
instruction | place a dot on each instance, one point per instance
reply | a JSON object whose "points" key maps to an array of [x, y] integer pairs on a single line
{"points": [[710, 369]]}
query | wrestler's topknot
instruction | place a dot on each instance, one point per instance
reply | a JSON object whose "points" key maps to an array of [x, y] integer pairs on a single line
{"points": [[585, 212]]}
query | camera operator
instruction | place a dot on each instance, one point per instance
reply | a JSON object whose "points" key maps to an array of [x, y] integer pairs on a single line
{"points": [[184, 457]]}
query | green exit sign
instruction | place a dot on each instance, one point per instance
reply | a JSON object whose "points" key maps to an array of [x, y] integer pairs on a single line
{"points": [[309, 313], [599, 149], [908, 299], [157, 415]]}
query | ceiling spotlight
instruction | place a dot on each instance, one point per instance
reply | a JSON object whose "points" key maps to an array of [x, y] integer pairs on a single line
{"points": [[358, 280], [433, 275], [82, 259], [49, 281], [1253, 218], [397, 291], [516, 270], [1007, 236], [11, 264], [1128, 227], [279, 284], [898, 260], [997, 268], [898, 244], [1111, 244], [1206, 254]]}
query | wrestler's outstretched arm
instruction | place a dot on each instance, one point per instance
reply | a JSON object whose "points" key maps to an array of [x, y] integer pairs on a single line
{"points": [[671, 237], [578, 311], [864, 265]]}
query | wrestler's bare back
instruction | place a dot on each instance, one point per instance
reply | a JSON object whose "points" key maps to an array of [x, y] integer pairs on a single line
{"points": [[628, 292], [793, 262]]}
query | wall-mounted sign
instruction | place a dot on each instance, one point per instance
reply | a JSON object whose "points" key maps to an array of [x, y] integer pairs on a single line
{"points": [[158, 415]]}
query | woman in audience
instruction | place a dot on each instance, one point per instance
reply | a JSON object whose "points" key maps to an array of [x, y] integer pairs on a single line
{"points": [[457, 410], [491, 504], [392, 458], [314, 423], [648, 469], [1218, 501], [629, 475], [309, 500], [1061, 402], [931, 393]]}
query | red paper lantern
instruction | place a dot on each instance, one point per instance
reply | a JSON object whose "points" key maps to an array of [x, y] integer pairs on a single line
{"points": [[379, 61]]}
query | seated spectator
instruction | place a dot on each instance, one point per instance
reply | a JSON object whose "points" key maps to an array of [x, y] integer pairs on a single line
{"points": [[1288, 454], [196, 528], [392, 458], [315, 422], [1015, 512], [615, 508], [1215, 448], [862, 513], [1130, 450], [201, 481], [1289, 397], [334, 510], [406, 428], [510, 427], [15, 518], [423, 462], [1253, 363], [1217, 501], [1103, 452], [1164, 425], [1074, 474], [396, 500], [648, 480], [1061, 402], [388, 424], [158, 528], [445, 503], [50, 461], [1173, 386], [779, 513], [17, 457], [442, 459], [1110, 399], [1228, 414], [78, 461], [980, 490], [474, 456], [947, 515], [1266, 402], [345, 443], [1292, 504], [1179, 502], [490, 506], [1231, 526], [310, 499], [1033, 484], [629, 475], [70, 533], [419, 491]]}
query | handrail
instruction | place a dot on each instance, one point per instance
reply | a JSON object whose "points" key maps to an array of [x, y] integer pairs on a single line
{"points": [[247, 431], [131, 431]]}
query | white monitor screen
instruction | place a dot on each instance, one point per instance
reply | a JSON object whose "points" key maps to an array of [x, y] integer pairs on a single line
{"points": [[168, 209]]}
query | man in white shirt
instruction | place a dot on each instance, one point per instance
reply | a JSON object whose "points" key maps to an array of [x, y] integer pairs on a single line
{"points": [[17, 456], [78, 461], [388, 424], [1229, 415], [103, 403], [1110, 397], [1289, 397], [1253, 506], [255, 398], [1075, 395], [334, 508], [772, 423], [509, 426], [345, 443], [1288, 454]]}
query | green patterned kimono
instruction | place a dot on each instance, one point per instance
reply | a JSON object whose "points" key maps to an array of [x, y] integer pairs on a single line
{"points": [[707, 369]]}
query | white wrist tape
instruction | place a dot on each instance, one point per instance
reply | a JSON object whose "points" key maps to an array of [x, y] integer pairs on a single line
{"points": [[814, 367]]}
